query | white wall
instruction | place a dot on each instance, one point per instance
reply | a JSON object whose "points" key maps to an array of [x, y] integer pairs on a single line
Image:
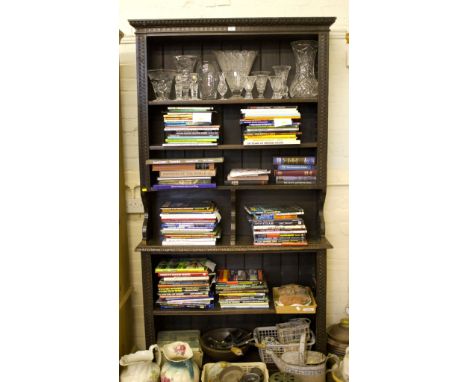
{"points": [[336, 206]]}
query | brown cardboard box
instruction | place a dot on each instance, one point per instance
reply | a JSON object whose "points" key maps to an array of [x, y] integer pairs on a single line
{"points": [[303, 309]]}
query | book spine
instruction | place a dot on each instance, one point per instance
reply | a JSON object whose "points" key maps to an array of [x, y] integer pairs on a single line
{"points": [[296, 178], [182, 274], [292, 182], [184, 161], [245, 182], [295, 173], [157, 187], [167, 174], [272, 142], [293, 160], [183, 167], [288, 167]]}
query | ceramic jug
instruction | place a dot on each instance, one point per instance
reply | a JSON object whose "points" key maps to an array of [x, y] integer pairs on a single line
{"points": [[139, 366], [179, 365]]}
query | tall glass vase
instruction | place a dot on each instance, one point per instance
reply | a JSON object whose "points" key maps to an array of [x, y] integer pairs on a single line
{"points": [[305, 83], [185, 65], [209, 77]]}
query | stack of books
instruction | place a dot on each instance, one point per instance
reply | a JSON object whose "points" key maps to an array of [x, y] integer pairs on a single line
{"points": [[247, 176], [277, 225], [190, 126], [294, 170], [274, 125], [185, 284], [241, 289], [190, 223], [184, 172]]}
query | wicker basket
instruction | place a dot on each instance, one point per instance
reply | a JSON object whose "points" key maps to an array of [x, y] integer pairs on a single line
{"points": [[245, 366], [272, 332]]}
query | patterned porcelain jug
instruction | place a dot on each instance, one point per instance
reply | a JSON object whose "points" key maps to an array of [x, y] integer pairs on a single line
{"points": [[179, 365]]}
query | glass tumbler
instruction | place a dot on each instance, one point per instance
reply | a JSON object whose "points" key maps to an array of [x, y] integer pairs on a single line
{"points": [[276, 83], [261, 82], [249, 85], [194, 85], [283, 71]]}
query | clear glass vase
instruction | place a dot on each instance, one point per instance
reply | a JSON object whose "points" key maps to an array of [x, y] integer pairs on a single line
{"points": [[185, 65], [305, 83], [236, 66], [208, 76], [161, 79], [283, 71]]}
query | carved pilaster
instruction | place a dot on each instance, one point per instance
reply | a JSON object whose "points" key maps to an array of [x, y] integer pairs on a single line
{"points": [[322, 108], [142, 90], [321, 298], [148, 303]]}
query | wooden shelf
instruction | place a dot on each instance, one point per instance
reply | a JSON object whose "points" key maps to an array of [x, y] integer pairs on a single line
{"points": [[235, 101], [244, 245], [234, 147], [259, 187], [212, 312]]}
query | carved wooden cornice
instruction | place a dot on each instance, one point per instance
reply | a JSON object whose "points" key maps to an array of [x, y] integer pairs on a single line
{"points": [[291, 24]]}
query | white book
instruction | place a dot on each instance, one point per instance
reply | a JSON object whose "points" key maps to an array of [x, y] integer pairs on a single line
{"points": [[213, 215], [277, 227], [291, 111], [190, 144], [282, 142], [278, 231], [184, 178], [184, 243], [234, 173]]}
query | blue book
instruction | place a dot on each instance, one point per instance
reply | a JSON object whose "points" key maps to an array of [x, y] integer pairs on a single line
{"points": [[293, 160], [286, 167]]}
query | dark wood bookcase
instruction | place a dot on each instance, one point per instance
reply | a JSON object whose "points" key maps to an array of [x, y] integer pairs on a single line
{"points": [[157, 41]]}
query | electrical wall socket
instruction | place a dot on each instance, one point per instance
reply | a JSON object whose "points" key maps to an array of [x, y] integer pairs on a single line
{"points": [[134, 206]]}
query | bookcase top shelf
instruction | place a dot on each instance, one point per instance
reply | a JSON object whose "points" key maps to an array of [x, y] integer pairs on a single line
{"points": [[233, 101], [235, 147], [243, 246]]}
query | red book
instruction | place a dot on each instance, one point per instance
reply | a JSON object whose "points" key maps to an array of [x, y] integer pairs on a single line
{"points": [[295, 173], [182, 274]]}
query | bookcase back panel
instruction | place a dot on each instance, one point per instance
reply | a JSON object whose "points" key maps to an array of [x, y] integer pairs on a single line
{"points": [[233, 159], [271, 50], [205, 323], [279, 268], [228, 116], [307, 199]]}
